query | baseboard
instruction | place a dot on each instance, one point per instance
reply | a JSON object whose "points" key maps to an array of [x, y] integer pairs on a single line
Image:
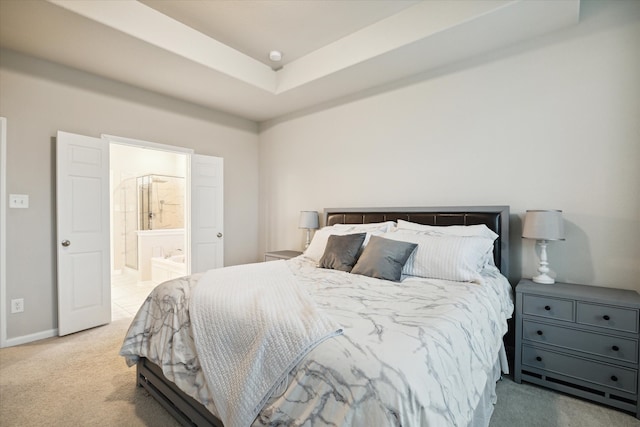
{"points": [[10, 342]]}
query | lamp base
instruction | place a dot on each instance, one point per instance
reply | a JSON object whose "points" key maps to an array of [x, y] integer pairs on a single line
{"points": [[543, 268], [544, 278], [308, 242]]}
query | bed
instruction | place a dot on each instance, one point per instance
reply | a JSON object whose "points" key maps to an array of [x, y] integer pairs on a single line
{"points": [[417, 351]]}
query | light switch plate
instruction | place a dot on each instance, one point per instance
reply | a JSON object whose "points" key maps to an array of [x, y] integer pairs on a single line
{"points": [[20, 201]]}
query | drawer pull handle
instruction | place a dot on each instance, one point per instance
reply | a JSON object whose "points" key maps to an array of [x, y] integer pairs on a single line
{"points": [[539, 332], [539, 359], [615, 348], [614, 378], [546, 307], [606, 317]]}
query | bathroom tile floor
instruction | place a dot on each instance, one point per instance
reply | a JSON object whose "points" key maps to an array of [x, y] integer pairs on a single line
{"points": [[127, 296]]}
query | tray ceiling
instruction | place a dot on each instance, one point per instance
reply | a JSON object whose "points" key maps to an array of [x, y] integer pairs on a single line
{"points": [[215, 53]]}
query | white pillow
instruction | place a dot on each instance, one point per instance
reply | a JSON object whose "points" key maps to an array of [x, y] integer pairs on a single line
{"points": [[457, 258], [450, 230], [374, 226], [319, 242]]}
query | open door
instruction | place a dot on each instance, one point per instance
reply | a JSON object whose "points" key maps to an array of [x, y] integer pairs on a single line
{"points": [[83, 235], [207, 239], [82, 186]]}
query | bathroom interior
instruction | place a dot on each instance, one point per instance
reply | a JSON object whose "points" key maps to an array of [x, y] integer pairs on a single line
{"points": [[148, 189]]}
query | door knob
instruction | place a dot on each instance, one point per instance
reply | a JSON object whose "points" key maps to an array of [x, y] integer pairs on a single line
{"points": [[219, 235], [66, 243]]}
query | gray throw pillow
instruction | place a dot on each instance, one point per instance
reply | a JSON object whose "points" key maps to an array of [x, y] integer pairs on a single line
{"points": [[384, 258], [341, 252]]}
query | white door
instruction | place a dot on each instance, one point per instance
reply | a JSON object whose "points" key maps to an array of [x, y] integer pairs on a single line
{"points": [[207, 240], [82, 185]]}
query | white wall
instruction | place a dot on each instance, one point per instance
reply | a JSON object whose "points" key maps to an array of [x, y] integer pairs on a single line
{"points": [[138, 161], [551, 124], [39, 98]]}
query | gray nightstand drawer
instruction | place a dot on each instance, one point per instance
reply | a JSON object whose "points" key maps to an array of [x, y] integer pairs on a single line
{"points": [[553, 308], [587, 370], [578, 339], [622, 319], [603, 345]]}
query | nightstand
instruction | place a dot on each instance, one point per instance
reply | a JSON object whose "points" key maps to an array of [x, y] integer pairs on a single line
{"points": [[275, 255], [581, 340]]}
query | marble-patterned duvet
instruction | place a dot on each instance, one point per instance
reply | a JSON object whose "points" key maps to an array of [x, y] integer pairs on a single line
{"points": [[420, 352]]}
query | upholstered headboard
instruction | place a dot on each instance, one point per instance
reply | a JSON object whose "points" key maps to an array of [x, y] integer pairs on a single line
{"points": [[494, 217]]}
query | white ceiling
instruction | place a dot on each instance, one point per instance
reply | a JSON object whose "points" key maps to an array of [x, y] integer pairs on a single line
{"points": [[215, 53], [295, 28]]}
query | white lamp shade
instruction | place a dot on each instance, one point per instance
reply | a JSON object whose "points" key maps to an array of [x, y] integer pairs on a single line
{"points": [[543, 225], [308, 220]]}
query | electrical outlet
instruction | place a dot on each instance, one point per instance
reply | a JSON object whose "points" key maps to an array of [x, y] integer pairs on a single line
{"points": [[17, 305]]}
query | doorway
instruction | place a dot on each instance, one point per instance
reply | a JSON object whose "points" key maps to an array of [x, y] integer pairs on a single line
{"points": [[148, 222], [83, 205]]}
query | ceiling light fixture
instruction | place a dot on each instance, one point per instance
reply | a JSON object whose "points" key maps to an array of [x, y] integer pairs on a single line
{"points": [[275, 55]]}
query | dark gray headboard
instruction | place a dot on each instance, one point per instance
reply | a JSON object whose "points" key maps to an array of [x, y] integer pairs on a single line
{"points": [[494, 217]]}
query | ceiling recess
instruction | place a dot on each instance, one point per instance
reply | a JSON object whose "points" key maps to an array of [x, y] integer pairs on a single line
{"points": [[197, 68]]}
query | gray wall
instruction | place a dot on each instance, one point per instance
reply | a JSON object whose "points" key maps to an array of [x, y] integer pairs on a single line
{"points": [[550, 124], [38, 99]]}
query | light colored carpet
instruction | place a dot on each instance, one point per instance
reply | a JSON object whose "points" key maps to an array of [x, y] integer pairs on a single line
{"points": [[79, 380], [528, 405]]}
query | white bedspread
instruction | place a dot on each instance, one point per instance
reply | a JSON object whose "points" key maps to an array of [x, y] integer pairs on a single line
{"points": [[251, 325], [416, 353]]}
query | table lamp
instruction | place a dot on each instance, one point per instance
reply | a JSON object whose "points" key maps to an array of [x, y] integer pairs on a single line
{"points": [[543, 226], [308, 220]]}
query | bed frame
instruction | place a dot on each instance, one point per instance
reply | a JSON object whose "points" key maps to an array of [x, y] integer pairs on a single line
{"points": [[189, 412]]}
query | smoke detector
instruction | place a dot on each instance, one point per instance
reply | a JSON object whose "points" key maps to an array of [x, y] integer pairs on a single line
{"points": [[275, 55]]}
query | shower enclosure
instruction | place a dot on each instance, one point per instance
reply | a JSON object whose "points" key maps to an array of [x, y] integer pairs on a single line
{"points": [[160, 202], [151, 202]]}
